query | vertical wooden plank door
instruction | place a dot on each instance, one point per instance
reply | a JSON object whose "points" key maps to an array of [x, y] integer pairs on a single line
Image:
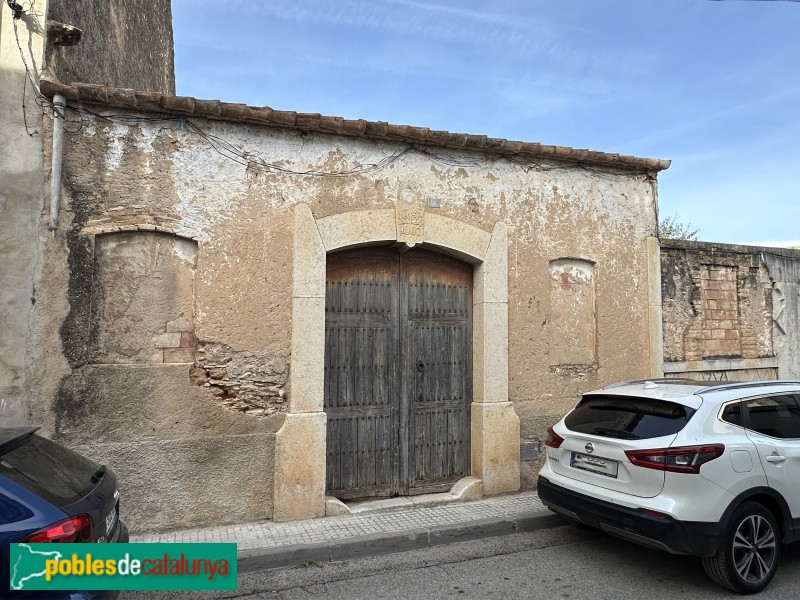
{"points": [[398, 386]]}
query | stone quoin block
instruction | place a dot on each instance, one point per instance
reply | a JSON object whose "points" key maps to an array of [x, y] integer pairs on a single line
{"points": [[178, 355], [168, 340]]}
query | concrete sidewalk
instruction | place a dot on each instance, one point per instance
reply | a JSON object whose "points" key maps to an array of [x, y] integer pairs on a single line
{"points": [[270, 545]]}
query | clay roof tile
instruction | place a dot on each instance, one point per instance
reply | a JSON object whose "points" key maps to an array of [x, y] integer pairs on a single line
{"points": [[122, 97], [308, 120], [284, 117], [207, 108], [265, 116], [150, 101], [259, 115], [232, 112], [93, 93], [331, 124], [354, 127], [181, 104], [376, 128]]}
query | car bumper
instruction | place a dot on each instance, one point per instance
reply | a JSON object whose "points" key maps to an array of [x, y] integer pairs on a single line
{"points": [[121, 536], [661, 532]]}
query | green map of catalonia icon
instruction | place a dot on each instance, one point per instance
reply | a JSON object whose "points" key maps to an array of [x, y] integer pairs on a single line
{"points": [[27, 564]]}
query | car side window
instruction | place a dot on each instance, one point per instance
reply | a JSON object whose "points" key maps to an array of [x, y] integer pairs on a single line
{"points": [[775, 416], [12, 511], [732, 413]]}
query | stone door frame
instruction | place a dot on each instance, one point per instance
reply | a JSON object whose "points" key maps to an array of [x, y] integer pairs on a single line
{"points": [[299, 477]]}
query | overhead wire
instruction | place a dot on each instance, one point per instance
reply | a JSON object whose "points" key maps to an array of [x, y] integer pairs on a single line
{"points": [[17, 11], [251, 158], [247, 157], [228, 150]]}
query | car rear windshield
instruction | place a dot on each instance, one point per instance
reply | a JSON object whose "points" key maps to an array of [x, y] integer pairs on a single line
{"points": [[628, 417], [58, 475]]}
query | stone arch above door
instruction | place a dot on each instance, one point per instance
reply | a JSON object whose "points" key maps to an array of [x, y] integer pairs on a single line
{"points": [[300, 444]]}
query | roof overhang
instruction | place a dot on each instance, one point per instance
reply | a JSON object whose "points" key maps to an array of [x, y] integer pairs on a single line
{"points": [[185, 106]]}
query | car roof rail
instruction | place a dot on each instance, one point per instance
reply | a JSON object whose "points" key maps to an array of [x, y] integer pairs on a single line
{"points": [[670, 380], [736, 385]]}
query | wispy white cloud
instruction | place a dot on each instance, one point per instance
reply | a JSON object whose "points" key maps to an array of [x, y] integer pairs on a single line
{"points": [[530, 66], [521, 37], [677, 130]]}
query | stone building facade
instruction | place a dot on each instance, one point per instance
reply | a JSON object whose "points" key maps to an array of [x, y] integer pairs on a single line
{"points": [[730, 312], [217, 277], [208, 289], [185, 320], [127, 43]]}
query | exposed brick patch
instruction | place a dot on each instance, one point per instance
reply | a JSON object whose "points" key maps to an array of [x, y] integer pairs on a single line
{"points": [[187, 339], [137, 218], [716, 305], [240, 381]]}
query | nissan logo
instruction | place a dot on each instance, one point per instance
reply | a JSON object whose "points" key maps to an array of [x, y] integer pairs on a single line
{"points": [[589, 447]]}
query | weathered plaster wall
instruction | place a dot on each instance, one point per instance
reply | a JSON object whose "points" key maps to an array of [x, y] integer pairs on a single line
{"points": [[125, 43], [181, 460], [730, 312], [784, 269], [21, 201], [143, 298], [113, 300], [162, 176]]}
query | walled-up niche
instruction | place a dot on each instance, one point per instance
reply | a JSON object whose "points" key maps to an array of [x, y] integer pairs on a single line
{"points": [[573, 316], [143, 298], [732, 314]]}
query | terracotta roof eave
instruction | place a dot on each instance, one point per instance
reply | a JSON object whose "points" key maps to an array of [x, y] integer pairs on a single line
{"points": [[155, 102]]}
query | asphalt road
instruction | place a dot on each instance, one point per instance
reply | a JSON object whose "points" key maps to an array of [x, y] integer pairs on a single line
{"points": [[566, 562]]}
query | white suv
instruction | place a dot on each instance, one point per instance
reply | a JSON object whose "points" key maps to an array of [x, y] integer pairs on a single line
{"points": [[689, 468]]}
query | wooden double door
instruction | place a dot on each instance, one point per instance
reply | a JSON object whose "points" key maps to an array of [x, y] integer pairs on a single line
{"points": [[398, 371]]}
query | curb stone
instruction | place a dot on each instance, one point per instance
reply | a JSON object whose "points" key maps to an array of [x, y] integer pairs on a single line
{"points": [[261, 559]]}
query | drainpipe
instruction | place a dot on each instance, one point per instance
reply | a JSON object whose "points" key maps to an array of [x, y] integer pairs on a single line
{"points": [[59, 110]]}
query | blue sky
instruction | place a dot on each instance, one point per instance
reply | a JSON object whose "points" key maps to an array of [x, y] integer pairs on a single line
{"points": [[712, 85]]}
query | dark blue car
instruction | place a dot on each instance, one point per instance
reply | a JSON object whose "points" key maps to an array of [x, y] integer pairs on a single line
{"points": [[51, 494]]}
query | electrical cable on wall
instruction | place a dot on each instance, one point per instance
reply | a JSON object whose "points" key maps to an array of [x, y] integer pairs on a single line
{"points": [[246, 158], [17, 11]]}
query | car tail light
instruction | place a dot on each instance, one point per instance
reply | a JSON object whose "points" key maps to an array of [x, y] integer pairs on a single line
{"points": [[75, 529], [687, 459], [553, 439]]}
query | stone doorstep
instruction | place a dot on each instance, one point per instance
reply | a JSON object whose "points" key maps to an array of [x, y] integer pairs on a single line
{"points": [[468, 488]]}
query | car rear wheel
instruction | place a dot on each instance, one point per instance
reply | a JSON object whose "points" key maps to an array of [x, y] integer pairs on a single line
{"points": [[748, 557]]}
